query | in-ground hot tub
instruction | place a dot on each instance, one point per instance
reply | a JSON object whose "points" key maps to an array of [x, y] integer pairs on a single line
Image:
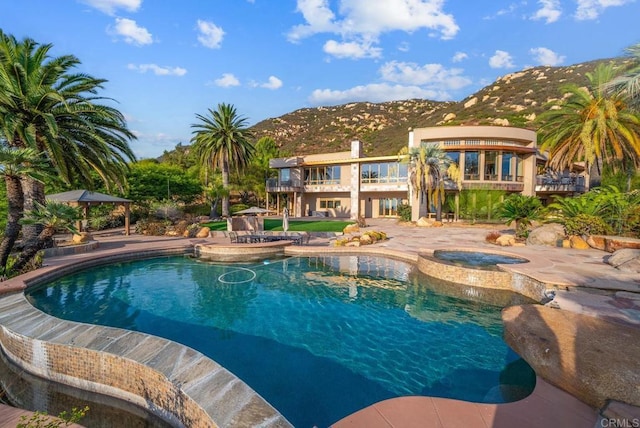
{"points": [[476, 259], [481, 269]]}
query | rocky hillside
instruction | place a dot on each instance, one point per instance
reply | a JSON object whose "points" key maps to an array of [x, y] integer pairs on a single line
{"points": [[515, 99]]}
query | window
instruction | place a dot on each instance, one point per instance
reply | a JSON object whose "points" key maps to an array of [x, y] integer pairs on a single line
{"points": [[471, 166], [455, 157], [389, 206], [388, 172], [329, 203], [285, 176], [322, 175], [507, 167], [490, 166]]}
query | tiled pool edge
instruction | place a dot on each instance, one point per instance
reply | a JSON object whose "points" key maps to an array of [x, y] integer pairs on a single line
{"points": [[506, 279], [170, 380]]}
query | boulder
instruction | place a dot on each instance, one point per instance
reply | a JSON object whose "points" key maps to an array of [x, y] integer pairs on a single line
{"points": [[366, 239], [627, 259], [506, 240], [351, 228], [424, 222], [596, 241], [203, 232], [591, 358], [578, 243], [82, 238], [547, 234], [615, 243]]}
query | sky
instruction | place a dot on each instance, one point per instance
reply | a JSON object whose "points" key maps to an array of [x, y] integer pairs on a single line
{"points": [[165, 61]]}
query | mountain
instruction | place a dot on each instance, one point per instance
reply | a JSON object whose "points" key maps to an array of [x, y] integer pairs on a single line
{"points": [[515, 99]]}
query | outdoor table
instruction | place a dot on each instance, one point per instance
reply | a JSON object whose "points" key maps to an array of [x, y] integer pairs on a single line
{"points": [[257, 238]]}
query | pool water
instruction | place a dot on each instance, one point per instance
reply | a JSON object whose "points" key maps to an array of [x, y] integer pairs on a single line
{"points": [[319, 338], [476, 259]]}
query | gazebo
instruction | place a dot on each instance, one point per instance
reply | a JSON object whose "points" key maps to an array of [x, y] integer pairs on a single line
{"points": [[86, 199]]}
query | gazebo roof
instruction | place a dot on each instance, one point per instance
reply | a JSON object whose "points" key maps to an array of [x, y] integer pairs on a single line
{"points": [[85, 196]]}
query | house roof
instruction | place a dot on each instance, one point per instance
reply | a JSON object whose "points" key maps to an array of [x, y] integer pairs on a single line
{"points": [[86, 196]]}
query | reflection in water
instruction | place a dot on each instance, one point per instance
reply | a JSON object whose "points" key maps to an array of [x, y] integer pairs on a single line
{"points": [[318, 337]]}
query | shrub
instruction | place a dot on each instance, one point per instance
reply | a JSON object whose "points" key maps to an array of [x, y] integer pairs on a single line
{"points": [[585, 224], [404, 211], [165, 210], [522, 210]]}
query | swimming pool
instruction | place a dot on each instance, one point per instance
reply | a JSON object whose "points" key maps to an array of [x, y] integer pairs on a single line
{"points": [[317, 337]]}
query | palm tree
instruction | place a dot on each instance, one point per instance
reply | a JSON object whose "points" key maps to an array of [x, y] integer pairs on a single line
{"points": [[14, 164], [429, 166], [222, 140], [46, 107], [592, 126], [52, 216], [628, 84]]}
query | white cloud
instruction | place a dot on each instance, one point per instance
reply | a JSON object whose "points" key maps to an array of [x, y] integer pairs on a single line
{"points": [[501, 59], [376, 92], [158, 70], [365, 20], [132, 34], [210, 35], [227, 80], [546, 56], [353, 50], [549, 10], [403, 47], [273, 83], [110, 6], [591, 9], [431, 75], [459, 56], [318, 16]]}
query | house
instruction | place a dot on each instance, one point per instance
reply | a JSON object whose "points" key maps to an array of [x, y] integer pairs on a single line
{"points": [[350, 184]]}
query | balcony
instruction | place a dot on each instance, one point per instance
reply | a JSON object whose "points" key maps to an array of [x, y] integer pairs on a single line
{"points": [[550, 183], [275, 186]]}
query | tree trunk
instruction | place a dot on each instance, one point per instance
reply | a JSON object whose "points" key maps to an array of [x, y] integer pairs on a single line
{"points": [[15, 199], [213, 213], [31, 251], [33, 192], [225, 185]]}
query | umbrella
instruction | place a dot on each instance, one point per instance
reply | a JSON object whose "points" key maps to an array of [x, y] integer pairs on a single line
{"points": [[285, 220], [253, 211]]}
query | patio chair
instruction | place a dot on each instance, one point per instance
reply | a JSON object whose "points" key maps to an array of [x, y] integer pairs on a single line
{"points": [[233, 236]]}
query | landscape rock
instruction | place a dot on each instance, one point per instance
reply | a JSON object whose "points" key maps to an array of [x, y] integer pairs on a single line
{"points": [[203, 232], [424, 222], [547, 234], [578, 243], [82, 238], [596, 241], [593, 359], [351, 228], [506, 240], [615, 243], [626, 259]]}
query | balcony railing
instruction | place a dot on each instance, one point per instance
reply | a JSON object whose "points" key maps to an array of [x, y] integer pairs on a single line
{"points": [[553, 183], [275, 185]]}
